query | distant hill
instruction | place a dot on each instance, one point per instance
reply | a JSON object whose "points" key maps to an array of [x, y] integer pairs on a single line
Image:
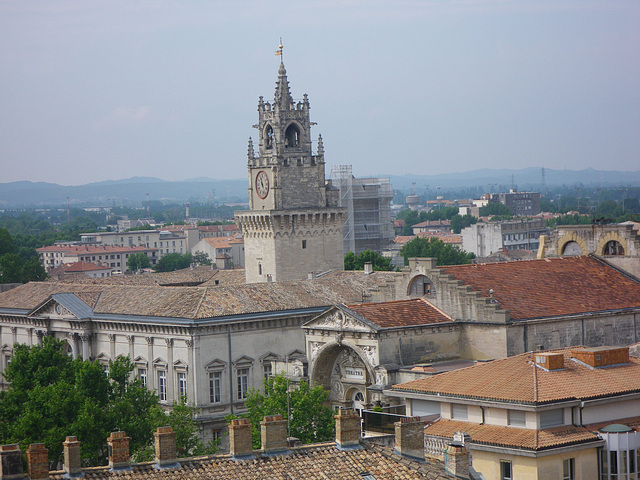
{"points": [[133, 191]]}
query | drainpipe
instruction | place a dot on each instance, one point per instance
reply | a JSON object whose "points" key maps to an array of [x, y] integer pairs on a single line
{"points": [[230, 369], [401, 356]]}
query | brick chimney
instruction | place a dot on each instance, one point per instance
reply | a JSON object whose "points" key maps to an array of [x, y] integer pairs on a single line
{"points": [[274, 434], [347, 429], [409, 441], [72, 462], [118, 444], [456, 460], [165, 444], [240, 438], [38, 461], [10, 462]]}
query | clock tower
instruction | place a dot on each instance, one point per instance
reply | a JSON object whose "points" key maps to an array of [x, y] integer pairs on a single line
{"points": [[293, 226]]}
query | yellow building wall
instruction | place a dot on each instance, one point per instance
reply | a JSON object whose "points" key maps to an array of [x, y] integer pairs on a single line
{"points": [[540, 468]]}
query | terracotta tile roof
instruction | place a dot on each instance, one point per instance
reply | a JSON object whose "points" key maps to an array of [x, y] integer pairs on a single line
{"points": [[222, 242], [84, 267], [552, 286], [403, 238], [398, 223], [205, 302], [90, 249], [515, 379], [432, 223], [320, 462], [526, 438], [401, 313], [444, 237]]}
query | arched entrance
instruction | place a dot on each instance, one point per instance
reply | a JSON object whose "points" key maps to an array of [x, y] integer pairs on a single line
{"points": [[344, 371]]}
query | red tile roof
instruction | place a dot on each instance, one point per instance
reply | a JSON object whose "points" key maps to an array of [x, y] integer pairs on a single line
{"points": [[401, 313], [515, 379], [552, 286], [83, 267], [91, 249], [527, 438]]}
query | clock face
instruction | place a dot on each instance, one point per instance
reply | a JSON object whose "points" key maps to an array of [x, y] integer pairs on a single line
{"points": [[262, 184]]}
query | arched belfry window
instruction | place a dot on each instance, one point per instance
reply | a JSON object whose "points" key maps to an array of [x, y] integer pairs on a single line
{"points": [[268, 137], [571, 249], [292, 136], [613, 248]]}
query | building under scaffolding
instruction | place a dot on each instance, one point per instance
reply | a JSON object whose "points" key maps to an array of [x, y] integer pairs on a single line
{"points": [[368, 223]]}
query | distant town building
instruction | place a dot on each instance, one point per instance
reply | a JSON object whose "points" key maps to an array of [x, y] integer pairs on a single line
{"points": [[432, 226], [113, 256], [224, 252], [90, 269], [520, 203], [485, 238], [368, 223]]}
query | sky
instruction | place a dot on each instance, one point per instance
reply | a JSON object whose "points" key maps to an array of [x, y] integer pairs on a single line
{"points": [[95, 90]]}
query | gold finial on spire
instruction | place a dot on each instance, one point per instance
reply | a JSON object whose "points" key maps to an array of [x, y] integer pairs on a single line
{"points": [[279, 51]]}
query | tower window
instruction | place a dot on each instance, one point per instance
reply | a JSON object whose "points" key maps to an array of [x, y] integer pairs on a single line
{"points": [[259, 269], [268, 137], [304, 244], [292, 136]]}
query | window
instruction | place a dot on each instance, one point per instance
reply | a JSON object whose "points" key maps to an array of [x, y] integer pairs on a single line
{"points": [[304, 244], [568, 468], [267, 370], [552, 418], [162, 385], [182, 385], [215, 382], [142, 376], [259, 269], [517, 418], [505, 470], [243, 383], [459, 412]]}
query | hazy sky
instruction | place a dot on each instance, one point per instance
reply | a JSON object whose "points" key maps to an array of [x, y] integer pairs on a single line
{"points": [[94, 90]]}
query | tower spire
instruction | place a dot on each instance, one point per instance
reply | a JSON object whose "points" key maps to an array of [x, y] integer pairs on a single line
{"points": [[282, 97]]}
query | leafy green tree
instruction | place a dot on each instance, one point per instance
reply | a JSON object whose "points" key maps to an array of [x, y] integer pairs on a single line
{"points": [[356, 262], [182, 419], [310, 419], [432, 247], [51, 396], [201, 258], [458, 222], [173, 261], [139, 260], [495, 208]]}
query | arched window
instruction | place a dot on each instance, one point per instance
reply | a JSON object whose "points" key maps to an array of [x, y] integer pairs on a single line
{"points": [[613, 248], [571, 249], [420, 286], [292, 136], [268, 137]]}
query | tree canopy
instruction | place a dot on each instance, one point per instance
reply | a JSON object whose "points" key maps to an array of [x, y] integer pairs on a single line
{"points": [[173, 261], [310, 419], [18, 263], [356, 262], [432, 247], [51, 396], [139, 260]]}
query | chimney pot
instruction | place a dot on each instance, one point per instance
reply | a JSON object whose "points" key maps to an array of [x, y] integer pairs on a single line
{"points": [[38, 461], [118, 444], [456, 459], [274, 434], [368, 268], [240, 442], [72, 460], [348, 429], [409, 439], [11, 462], [165, 446]]}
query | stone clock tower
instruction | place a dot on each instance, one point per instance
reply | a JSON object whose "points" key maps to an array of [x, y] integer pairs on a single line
{"points": [[294, 225]]}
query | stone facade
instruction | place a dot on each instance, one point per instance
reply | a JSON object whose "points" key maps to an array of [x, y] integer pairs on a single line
{"points": [[294, 225]]}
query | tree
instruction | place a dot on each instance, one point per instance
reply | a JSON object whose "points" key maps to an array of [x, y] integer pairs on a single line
{"points": [[182, 419], [310, 419], [139, 260], [495, 208], [356, 262], [173, 261], [18, 264], [51, 396], [458, 222], [201, 258], [432, 247]]}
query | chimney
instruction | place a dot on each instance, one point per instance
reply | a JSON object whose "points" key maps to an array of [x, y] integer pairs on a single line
{"points": [[456, 460], [368, 268], [72, 462], [274, 434], [118, 444], [347, 429], [38, 461], [10, 462], [240, 439], [409, 441], [165, 445]]}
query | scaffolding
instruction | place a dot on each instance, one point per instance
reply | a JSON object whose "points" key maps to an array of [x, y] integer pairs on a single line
{"points": [[368, 205]]}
